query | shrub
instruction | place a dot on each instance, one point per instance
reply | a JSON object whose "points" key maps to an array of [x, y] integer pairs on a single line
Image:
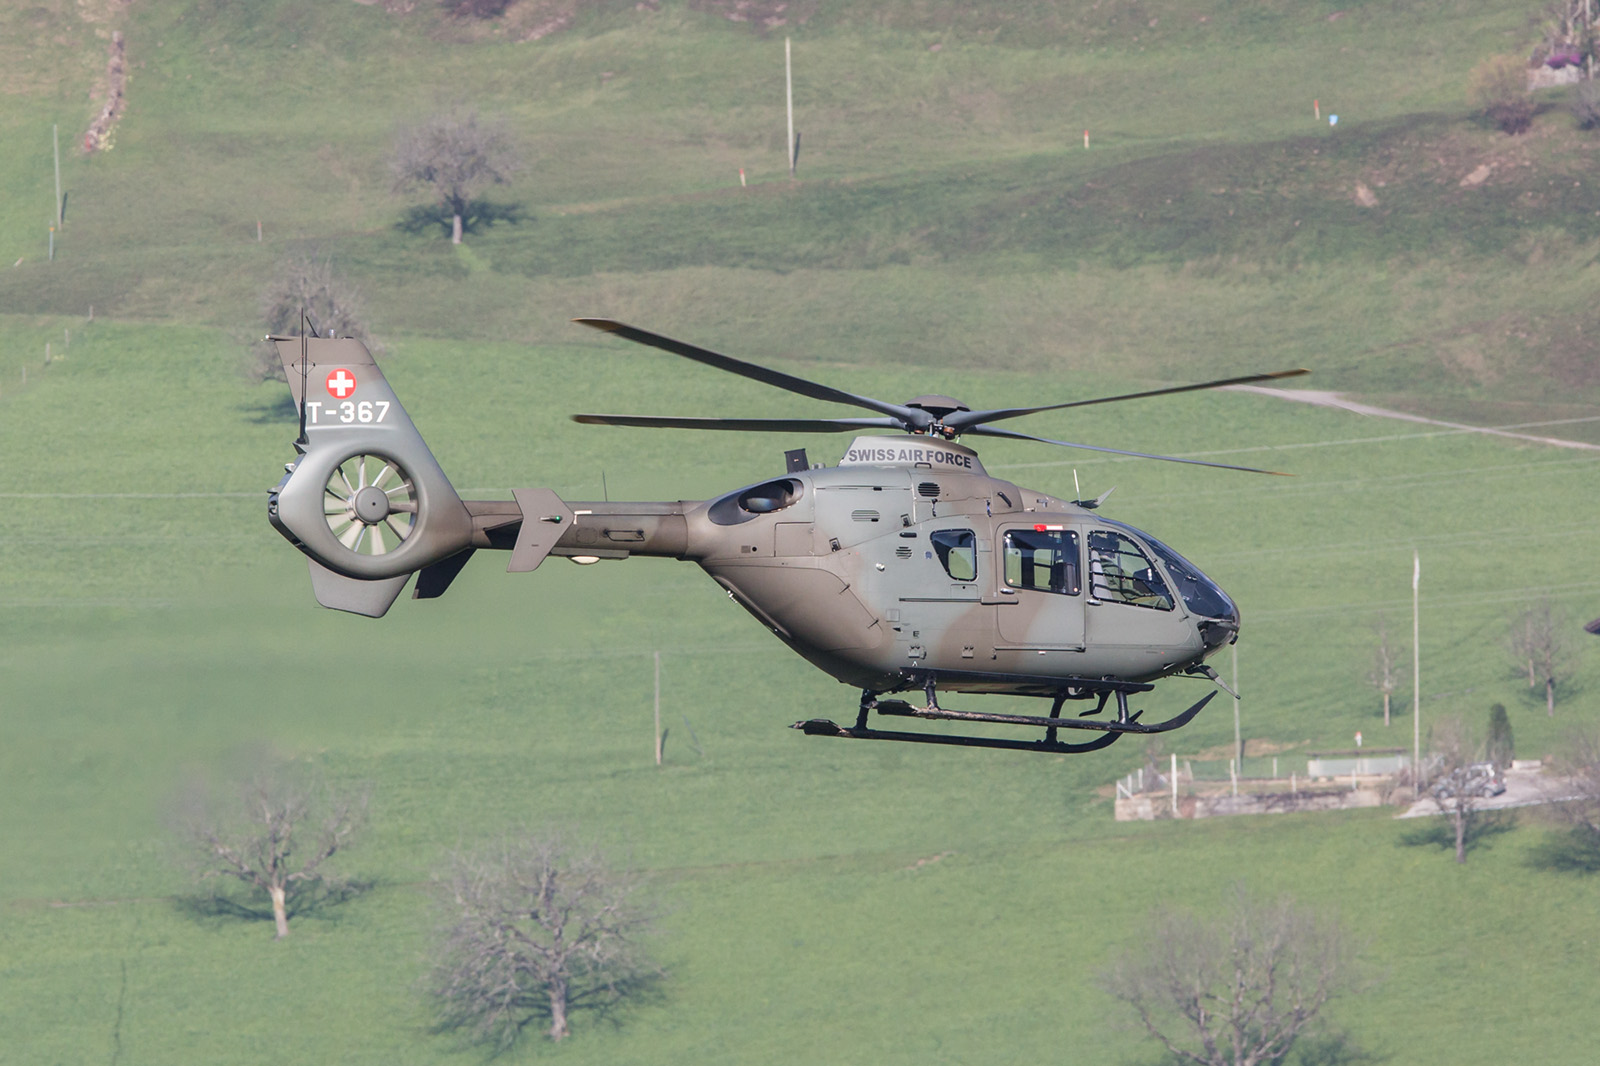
{"points": [[1499, 88], [1585, 104], [475, 9]]}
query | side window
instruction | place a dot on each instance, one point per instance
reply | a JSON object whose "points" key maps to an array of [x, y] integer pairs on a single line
{"points": [[1042, 559], [958, 552], [1119, 572]]}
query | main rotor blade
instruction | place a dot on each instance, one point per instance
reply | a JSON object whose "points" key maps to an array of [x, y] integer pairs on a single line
{"points": [[961, 419], [909, 417], [991, 431], [754, 425]]}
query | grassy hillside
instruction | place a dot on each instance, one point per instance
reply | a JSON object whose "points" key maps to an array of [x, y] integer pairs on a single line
{"points": [[825, 901]]}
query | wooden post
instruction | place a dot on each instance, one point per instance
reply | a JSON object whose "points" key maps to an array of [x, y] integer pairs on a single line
{"points": [[788, 81], [658, 708]]}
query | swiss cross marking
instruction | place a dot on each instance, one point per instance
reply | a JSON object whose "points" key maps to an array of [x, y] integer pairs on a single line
{"points": [[341, 384]]}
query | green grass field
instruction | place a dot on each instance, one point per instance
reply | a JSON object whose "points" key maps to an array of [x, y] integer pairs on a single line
{"points": [[824, 902]]}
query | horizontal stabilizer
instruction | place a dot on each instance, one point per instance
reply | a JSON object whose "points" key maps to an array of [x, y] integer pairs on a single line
{"points": [[544, 519], [371, 598]]}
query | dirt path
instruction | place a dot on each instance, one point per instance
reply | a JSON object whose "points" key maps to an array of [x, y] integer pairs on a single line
{"points": [[1333, 399]]}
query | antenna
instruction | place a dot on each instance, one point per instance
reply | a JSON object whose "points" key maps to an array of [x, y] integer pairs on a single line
{"points": [[304, 373], [1077, 490], [605, 493]]}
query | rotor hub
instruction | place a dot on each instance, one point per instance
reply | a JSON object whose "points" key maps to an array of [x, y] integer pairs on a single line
{"points": [[371, 505], [937, 406]]}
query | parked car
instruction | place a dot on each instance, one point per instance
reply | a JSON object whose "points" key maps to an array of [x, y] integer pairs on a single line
{"points": [[1478, 779]]}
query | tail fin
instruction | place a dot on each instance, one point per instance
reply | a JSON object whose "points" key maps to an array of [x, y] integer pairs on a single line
{"points": [[365, 500]]}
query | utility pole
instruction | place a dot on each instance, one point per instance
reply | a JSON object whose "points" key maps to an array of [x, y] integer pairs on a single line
{"points": [[1416, 670], [788, 81]]}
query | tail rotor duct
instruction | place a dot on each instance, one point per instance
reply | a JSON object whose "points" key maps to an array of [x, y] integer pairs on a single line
{"points": [[370, 502]]}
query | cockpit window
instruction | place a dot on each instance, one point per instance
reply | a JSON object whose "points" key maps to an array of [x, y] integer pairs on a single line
{"points": [[1119, 572], [1200, 594], [1043, 559], [958, 552]]}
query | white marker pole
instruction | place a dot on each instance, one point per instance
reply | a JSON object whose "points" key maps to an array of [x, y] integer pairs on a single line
{"points": [[788, 82], [1238, 737], [55, 137], [658, 708], [1416, 669]]}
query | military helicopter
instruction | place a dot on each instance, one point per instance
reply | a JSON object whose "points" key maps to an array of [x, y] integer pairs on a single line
{"points": [[906, 567]]}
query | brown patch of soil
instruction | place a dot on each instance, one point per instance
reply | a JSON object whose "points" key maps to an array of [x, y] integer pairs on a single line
{"points": [[98, 138]]}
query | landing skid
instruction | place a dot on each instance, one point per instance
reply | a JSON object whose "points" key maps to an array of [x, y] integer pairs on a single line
{"points": [[1111, 730]]}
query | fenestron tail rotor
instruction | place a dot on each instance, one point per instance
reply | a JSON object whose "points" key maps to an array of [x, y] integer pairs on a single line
{"points": [[938, 416], [370, 502]]}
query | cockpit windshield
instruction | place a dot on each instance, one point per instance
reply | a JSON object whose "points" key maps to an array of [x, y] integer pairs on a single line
{"points": [[1200, 594]]}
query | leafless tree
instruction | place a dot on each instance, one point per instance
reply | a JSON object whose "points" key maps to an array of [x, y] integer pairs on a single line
{"points": [[455, 155], [1564, 26], [1575, 802], [1456, 789], [305, 280], [1236, 991], [538, 926], [274, 833], [1538, 643], [1387, 673]]}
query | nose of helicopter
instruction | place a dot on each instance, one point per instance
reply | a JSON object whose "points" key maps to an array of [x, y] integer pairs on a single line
{"points": [[1217, 632]]}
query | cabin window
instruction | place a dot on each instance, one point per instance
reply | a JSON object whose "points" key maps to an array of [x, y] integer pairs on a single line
{"points": [[1120, 572], [958, 552], [1042, 559]]}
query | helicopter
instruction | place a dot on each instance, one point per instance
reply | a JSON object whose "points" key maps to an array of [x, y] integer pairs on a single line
{"points": [[904, 568]]}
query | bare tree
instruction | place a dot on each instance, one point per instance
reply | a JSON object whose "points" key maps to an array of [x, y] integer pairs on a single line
{"points": [[305, 280], [1575, 799], [1236, 991], [1457, 787], [455, 155], [1387, 673], [1538, 643], [537, 928], [1565, 33], [274, 833]]}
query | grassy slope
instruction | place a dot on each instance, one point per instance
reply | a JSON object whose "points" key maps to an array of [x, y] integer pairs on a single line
{"points": [[145, 637]]}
